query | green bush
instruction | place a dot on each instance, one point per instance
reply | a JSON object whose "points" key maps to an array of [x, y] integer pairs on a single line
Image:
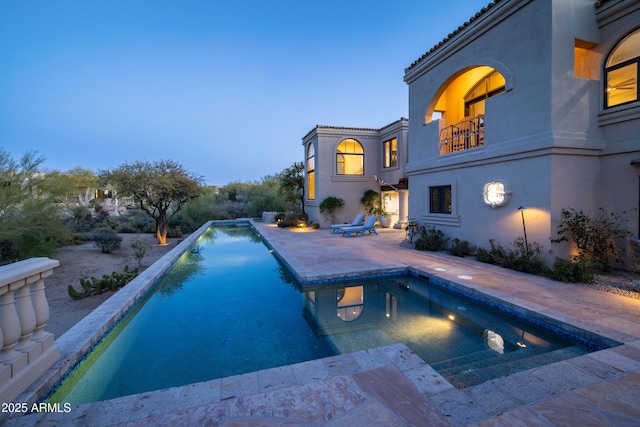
{"points": [[595, 237], [140, 248], [95, 286], [461, 248], [135, 221], [577, 269], [371, 202], [519, 258], [329, 206], [107, 242], [292, 219], [431, 239]]}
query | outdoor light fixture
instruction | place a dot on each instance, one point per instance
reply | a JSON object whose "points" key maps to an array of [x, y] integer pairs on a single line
{"points": [[494, 194], [524, 228], [382, 182]]}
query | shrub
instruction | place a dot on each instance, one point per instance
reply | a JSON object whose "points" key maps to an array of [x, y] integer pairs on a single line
{"points": [[594, 237], [140, 248], [461, 248], [292, 219], [107, 242], [329, 206], [431, 239], [95, 286], [371, 202], [577, 269], [520, 258]]}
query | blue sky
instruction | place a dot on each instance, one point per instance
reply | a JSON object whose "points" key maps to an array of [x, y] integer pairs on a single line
{"points": [[226, 88]]}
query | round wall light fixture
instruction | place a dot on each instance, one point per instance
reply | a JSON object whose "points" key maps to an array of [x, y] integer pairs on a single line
{"points": [[495, 194]]}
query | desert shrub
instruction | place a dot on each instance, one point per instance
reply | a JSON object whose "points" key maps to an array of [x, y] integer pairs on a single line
{"points": [[526, 259], [431, 239], [518, 257], [140, 248], [292, 219], [174, 232], [107, 242], [81, 219], [595, 237], [461, 248], [135, 221], [577, 269], [196, 212], [95, 286]]}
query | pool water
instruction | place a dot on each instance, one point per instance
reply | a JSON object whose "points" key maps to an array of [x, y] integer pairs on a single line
{"points": [[228, 307]]}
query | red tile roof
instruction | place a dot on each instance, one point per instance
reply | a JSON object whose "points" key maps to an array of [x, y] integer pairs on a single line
{"points": [[453, 34]]}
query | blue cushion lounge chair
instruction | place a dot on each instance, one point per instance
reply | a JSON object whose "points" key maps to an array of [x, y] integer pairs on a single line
{"points": [[335, 228], [367, 226]]}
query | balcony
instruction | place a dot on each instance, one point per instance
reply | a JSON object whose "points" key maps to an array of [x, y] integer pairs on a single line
{"points": [[464, 135]]}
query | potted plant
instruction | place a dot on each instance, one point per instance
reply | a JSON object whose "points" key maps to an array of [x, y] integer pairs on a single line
{"points": [[383, 217]]}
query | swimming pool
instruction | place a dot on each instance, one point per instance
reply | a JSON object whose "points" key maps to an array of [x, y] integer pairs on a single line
{"points": [[229, 307]]}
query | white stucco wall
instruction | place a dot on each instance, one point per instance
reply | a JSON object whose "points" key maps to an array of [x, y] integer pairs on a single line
{"points": [[547, 137]]}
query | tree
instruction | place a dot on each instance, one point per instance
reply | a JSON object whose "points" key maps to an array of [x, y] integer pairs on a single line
{"points": [[30, 224], [160, 189], [77, 183], [292, 184]]}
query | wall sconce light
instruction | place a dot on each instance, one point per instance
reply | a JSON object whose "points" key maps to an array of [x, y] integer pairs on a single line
{"points": [[494, 194]]}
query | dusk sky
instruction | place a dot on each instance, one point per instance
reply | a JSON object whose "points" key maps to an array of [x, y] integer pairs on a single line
{"points": [[226, 88]]}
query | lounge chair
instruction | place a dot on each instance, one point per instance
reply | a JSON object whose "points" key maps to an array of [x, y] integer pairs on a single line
{"points": [[367, 226], [335, 228]]}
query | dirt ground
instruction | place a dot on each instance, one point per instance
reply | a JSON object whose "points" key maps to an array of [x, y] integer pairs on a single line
{"points": [[84, 261]]}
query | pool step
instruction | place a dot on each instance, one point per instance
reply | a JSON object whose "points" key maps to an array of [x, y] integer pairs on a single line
{"points": [[477, 371]]}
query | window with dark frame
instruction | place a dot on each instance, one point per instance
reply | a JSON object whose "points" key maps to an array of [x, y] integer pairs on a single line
{"points": [[622, 71], [349, 158], [440, 199], [390, 153]]}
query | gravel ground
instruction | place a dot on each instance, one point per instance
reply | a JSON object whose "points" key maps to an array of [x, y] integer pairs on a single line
{"points": [[618, 282]]}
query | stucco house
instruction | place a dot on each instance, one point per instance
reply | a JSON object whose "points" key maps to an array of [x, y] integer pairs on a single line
{"points": [[530, 104], [345, 162]]}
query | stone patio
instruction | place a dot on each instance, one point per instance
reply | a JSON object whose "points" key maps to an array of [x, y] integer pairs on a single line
{"points": [[391, 386]]}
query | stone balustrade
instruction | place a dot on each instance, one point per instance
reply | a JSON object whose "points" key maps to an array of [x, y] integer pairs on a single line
{"points": [[27, 350]]}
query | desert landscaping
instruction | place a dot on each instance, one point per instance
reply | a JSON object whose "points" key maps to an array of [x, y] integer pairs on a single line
{"points": [[85, 261]]}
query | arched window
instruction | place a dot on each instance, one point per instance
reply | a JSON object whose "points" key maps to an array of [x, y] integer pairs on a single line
{"points": [[349, 158], [621, 71], [492, 84], [311, 172]]}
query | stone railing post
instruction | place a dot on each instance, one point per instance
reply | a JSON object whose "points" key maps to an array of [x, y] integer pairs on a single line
{"points": [[26, 350]]}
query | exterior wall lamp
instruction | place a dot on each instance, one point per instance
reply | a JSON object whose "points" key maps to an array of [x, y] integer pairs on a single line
{"points": [[494, 194]]}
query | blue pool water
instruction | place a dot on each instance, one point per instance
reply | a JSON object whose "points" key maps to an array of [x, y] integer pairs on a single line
{"points": [[229, 307]]}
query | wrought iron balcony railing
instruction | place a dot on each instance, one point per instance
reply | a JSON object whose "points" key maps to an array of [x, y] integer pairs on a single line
{"points": [[465, 135]]}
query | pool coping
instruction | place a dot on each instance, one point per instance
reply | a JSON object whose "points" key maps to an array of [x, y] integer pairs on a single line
{"points": [[76, 343]]}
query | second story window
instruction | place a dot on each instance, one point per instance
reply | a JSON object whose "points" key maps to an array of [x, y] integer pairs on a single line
{"points": [[311, 172], [621, 71], [390, 153], [349, 158]]}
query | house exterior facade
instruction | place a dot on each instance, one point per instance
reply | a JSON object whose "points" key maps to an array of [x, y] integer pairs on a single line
{"points": [[345, 162], [531, 104]]}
